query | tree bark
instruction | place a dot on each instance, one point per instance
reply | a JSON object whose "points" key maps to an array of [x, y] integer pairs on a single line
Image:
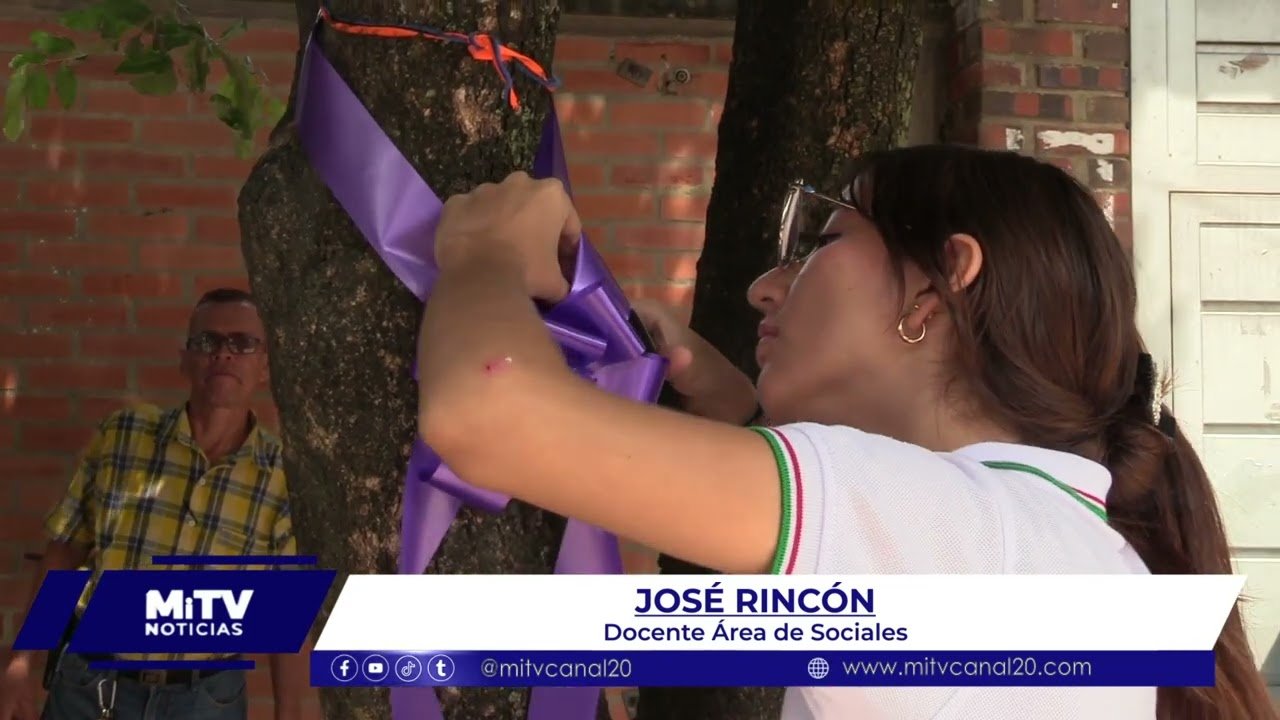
{"points": [[342, 329], [812, 84]]}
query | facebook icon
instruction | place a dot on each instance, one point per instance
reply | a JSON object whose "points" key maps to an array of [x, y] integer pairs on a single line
{"points": [[440, 667], [343, 668]]}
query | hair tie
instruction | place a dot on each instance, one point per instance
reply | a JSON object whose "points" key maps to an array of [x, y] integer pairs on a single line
{"points": [[1147, 388]]}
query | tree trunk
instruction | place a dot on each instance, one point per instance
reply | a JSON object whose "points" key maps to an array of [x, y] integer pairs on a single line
{"points": [[342, 329], [812, 84]]}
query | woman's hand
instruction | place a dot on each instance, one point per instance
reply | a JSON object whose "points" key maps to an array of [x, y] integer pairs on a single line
{"points": [[528, 223], [710, 385]]}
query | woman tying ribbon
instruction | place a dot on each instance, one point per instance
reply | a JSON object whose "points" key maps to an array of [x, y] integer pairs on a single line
{"points": [[954, 383]]}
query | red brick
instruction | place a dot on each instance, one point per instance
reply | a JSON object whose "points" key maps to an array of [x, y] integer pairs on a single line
{"points": [[185, 133], [23, 528], [122, 161], [1002, 137], [675, 54], [10, 252], [35, 345], [159, 226], [712, 84], [198, 196], [29, 470], [205, 283], [586, 175], [10, 314], [680, 266], [685, 207], [120, 99], [39, 224], [702, 145], [1107, 109], [673, 236], [259, 41], [38, 407], [579, 142], [630, 265], [9, 192], [15, 159], [162, 256], [75, 376], [1107, 46], [996, 40], [18, 32], [62, 193], [43, 437], [1027, 41], [161, 377], [38, 498], [213, 166], [67, 253], [578, 48], [163, 317], [1098, 12], [651, 113], [78, 314], [132, 285], [722, 52], [63, 128], [580, 110], [95, 408], [599, 208], [598, 80], [129, 345], [217, 229], [33, 283], [664, 175]]}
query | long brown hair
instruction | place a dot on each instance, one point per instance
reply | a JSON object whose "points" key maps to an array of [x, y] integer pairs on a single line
{"points": [[1048, 344]]}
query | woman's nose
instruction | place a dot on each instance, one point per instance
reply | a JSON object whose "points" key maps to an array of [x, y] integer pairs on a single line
{"points": [[770, 289]]}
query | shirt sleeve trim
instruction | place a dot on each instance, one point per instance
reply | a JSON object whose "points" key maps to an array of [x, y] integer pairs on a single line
{"points": [[784, 454]]}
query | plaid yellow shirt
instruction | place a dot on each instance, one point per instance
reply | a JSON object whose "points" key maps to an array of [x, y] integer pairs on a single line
{"points": [[143, 488]]}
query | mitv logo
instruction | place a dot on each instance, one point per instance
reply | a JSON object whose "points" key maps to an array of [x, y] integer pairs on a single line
{"points": [[202, 613]]}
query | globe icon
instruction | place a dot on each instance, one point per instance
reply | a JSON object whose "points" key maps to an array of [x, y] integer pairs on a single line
{"points": [[818, 668]]}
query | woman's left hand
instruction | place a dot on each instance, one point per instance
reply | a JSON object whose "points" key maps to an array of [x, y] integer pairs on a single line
{"points": [[529, 223]]}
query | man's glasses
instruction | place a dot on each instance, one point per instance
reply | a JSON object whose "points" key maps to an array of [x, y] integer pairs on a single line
{"points": [[235, 343], [804, 212]]}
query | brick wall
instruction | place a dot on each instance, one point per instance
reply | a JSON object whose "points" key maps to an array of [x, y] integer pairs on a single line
{"points": [[1049, 78]]}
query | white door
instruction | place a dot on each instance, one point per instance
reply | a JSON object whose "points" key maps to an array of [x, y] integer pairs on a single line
{"points": [[1206, 162]]}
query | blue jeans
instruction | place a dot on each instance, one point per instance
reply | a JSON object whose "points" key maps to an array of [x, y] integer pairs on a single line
{"points": [[74, 695]]}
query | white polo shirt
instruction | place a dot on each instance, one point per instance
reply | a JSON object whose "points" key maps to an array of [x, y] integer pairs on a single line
{"points": [[857, 503]]}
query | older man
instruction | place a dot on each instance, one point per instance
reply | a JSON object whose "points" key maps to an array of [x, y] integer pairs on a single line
{"points": [[200, 479]]}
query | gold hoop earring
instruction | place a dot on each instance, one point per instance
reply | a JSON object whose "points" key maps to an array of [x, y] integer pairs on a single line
{"points": [[902, 332]]}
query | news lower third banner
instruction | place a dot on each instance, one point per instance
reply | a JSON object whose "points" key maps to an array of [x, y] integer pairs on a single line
{"points": [[609, 631], [646, 630]]}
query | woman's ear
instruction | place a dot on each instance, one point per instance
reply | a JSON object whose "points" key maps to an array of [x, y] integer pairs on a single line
{"points": [[964, 261]]}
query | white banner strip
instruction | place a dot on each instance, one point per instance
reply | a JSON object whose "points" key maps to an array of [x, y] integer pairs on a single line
{"points": [[758, 612]]}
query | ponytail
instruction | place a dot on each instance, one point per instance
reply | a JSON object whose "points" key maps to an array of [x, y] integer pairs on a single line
{"points": [[1161, 501]]}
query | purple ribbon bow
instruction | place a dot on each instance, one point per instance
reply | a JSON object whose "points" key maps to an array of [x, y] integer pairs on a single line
{"points": [[397, 212]]}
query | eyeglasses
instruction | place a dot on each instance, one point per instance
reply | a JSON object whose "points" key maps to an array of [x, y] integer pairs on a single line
{"points": [[235, 343], [800, 229]]}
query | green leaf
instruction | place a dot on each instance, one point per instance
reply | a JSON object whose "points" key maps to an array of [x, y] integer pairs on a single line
{"points": [[51, 44], [235, 29], [144, 61], [170, 35], [15, 101], [273, 110], [64, 84], [197, 66], [133, 12], [37, 88], [161, 83], [26, 58], [113, 28], [87, 19]]}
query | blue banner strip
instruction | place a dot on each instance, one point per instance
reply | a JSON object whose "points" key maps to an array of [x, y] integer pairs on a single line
{"points": [[233, 560], [790, 668], [171, 665], [54, 606]]}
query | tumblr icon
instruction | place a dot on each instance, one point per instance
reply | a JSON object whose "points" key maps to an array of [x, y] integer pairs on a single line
{"points": [[440, 667]]}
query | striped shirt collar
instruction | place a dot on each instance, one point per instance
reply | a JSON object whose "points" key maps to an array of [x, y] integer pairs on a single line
{"points": [[1089, 478]]}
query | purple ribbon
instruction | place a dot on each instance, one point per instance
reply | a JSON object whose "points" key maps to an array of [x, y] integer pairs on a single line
{"points": [[397, 212]]}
